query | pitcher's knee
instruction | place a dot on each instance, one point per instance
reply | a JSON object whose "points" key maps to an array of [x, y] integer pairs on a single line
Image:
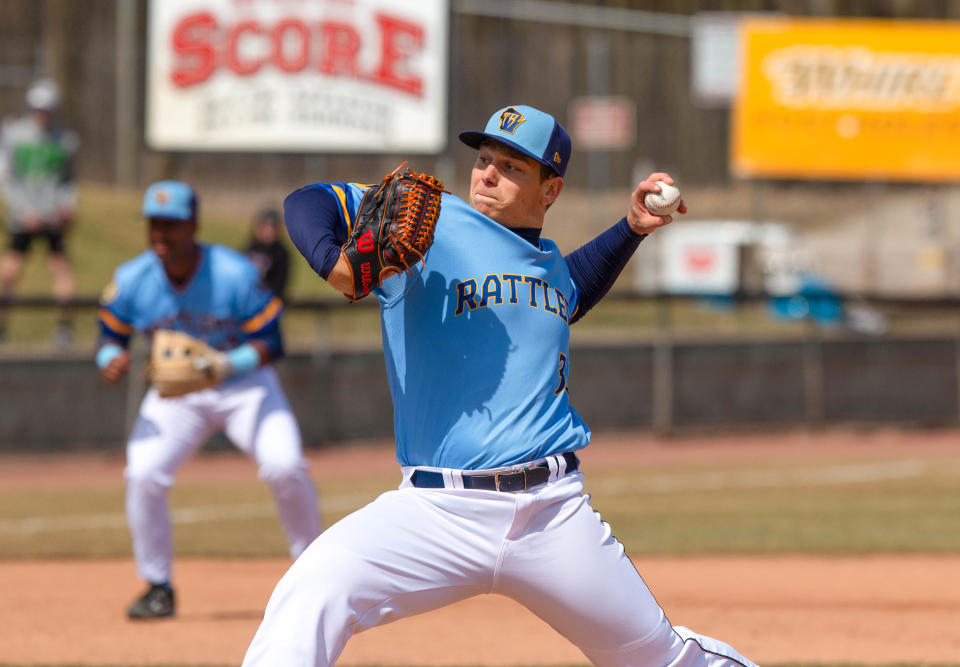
{"points": [[148, 482], [659, 648], [283, 472]]}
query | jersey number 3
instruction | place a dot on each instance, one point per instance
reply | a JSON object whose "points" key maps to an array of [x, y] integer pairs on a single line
{"points": [[562, 370]]}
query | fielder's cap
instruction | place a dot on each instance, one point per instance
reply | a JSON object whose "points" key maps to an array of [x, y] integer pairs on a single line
{"points": [[528, 130], [268, 214], [172, 200], [43, 95]]}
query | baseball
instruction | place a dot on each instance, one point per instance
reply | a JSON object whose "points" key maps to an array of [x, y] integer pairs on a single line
{"points": [[664, 202]]}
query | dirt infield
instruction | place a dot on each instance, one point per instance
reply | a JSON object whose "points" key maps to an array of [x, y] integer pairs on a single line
{"points": [[777, 609], [865, 609]]}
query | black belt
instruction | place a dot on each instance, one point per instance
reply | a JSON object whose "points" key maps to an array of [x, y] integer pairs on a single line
{"points": [[516, 479]]}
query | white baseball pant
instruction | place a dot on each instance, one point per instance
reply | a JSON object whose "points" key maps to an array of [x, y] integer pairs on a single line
{"points": [[413, 550], [254, 414]]}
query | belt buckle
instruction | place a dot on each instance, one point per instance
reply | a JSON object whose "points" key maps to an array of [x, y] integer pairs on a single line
{"points": [[511, 480]]}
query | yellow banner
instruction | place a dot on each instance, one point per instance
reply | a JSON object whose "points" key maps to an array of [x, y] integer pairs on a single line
{"points": [[848, 99]]}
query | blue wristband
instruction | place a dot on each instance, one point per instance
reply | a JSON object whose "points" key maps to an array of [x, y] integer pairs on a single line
{"points": [[244, 359], [108, 353]]}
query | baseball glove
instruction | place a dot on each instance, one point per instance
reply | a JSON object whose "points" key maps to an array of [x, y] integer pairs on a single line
{"points": [[393, 229], [180, 364]]}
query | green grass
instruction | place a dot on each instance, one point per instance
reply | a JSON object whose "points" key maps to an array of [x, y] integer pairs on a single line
{"points": [[98, 528], [915, 515], [820, 506]]}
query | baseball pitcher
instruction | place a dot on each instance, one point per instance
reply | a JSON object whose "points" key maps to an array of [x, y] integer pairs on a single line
{"points": [[476, 341], [214, 331]]}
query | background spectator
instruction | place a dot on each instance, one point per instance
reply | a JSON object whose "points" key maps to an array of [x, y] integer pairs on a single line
{"points": [[268, 252], [36, 173]]}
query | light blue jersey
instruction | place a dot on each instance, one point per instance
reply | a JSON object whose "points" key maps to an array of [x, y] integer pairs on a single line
{"points": [[477, 345], [223, 304]]}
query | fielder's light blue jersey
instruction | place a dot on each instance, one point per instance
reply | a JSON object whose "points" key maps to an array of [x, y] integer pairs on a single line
{"points": [[223, 304], [477, 345]]}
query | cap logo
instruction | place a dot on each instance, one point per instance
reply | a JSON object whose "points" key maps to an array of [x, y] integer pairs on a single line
{"points": [[163, 197], [556, 158], [510, 120]]}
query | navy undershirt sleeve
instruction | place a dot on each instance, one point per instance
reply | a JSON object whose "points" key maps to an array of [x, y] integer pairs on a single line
{"points": [[312, 217], [595, 265], [273, 339], [108, 337]]}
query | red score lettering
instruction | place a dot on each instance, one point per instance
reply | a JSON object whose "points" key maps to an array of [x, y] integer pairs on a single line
{"points": [[283, 60], [192, 42], [201, 45], [233, 50], [398, 40], [341, 46]]}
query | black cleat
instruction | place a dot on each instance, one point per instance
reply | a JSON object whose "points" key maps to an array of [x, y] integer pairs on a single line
{"points": [[157, 602]]}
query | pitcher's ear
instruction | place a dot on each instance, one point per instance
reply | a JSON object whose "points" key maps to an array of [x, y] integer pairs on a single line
{"points": [[551, 190]]}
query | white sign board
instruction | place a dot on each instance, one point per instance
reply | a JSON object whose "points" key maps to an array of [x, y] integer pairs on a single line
{"points": [[715, 58], [602, 122], [701, 258], [325, 75], [701, 267]]}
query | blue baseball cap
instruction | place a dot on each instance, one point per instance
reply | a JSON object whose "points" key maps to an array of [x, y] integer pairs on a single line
{"points": [[528, 130], [172, 200]]}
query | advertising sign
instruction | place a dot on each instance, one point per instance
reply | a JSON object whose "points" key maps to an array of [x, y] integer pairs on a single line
{"points": [[848, 99], [701, 258], [296, 75], [715, 58], [603, 122]]}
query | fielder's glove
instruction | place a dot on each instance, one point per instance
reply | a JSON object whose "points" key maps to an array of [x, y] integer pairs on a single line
{"points": [[180, 364], [393, 229]]}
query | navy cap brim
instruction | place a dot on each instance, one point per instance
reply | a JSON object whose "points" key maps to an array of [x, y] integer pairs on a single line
{"points": [[474, 139]]}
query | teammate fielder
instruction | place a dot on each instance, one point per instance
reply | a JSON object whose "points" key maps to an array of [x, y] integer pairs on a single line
{"points": [[476, 346], [213, 293]]}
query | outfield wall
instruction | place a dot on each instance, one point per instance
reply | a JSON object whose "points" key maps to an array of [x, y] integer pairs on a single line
{"points": [[50, 404]]}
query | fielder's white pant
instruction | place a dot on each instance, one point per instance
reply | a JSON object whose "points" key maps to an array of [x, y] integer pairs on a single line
{"points": [[254, 414], [414, 549]]}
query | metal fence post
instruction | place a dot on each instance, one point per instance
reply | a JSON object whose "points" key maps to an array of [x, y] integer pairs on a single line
{"points": [[663, 369], [956, 353], [813, 379], [125, 105]]}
